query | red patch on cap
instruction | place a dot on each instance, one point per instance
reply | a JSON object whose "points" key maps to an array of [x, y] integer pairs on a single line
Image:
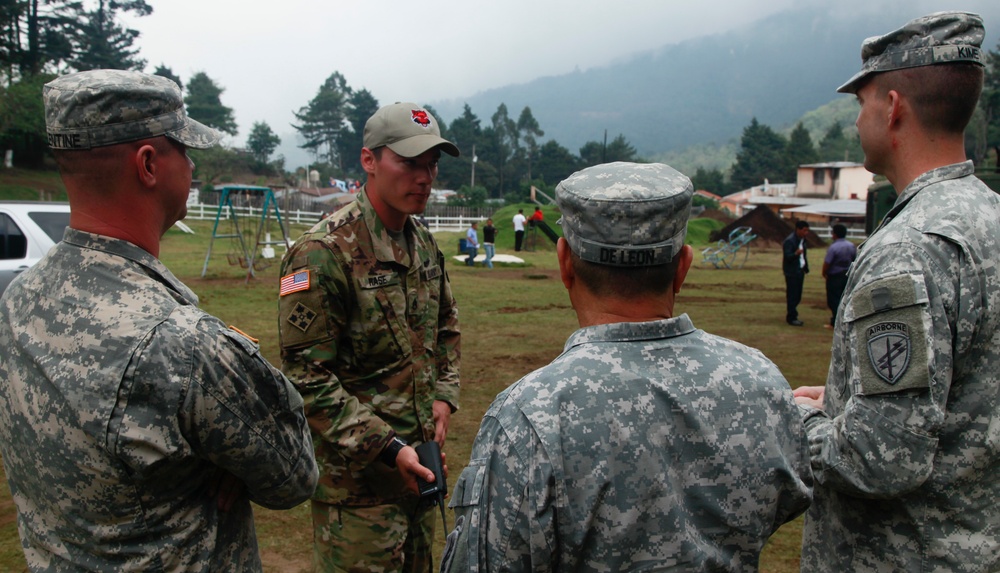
{"points": [[420, 117]]}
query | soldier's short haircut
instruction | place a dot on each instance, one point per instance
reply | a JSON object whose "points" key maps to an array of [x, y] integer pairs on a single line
{"points": [[625, 282], [943, 96]]}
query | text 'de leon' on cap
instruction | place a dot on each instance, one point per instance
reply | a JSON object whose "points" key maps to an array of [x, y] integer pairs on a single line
{"points": [[106, 107], [625, 214], [939, 38], [407, 129]]}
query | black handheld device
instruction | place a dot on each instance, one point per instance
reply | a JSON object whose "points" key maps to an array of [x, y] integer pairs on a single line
{"points": [[429, 454]]}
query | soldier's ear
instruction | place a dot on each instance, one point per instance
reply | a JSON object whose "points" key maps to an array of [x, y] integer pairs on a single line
{"points": [[145, 160], [684, 259], [565, 257]]}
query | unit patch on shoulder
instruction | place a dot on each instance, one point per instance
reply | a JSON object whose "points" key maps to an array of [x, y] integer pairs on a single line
{"points": [[889, 350], [892, 350], [302, 317]]}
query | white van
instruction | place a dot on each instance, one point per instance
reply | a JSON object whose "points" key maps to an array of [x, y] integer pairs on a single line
{"points": [[28, 229]]}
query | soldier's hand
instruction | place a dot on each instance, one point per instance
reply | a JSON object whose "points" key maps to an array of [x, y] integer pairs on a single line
{"points": [[408, 464], [442, 417], [810, 396]]}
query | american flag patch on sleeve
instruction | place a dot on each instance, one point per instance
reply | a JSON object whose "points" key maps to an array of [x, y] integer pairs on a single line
{"points": [[294, 283]]}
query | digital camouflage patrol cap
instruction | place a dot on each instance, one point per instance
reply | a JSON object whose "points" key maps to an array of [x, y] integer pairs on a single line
{"points": [[939, 38], [105, 107], [625, 214], [407, 129]]}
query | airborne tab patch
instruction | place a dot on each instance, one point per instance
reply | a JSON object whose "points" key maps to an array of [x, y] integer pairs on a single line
{"points": [[889, 350]]}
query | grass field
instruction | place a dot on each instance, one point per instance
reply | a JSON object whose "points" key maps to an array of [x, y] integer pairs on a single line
{"points": [[514, 320]]}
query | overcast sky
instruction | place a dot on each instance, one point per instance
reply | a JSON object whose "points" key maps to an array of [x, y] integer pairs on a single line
{"points": [[271, 57]]}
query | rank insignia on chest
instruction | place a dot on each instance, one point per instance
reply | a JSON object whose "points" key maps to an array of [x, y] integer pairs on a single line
{"points": [[431, 273], [302, 317], [889, 350], [295, 282]]}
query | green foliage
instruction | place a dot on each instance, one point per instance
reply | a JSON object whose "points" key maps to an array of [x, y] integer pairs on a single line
{"points": [[555, 163], [162, 70], [700, 201], [701, 228], [465, 132], [262, 141], [594, 152], [761, 156], [360, 106], [712, 181], [800, 149], [837, 145], [221, 165], [323, 119], [989, 107], [469, 197], [529, 131], [506, 143], [204, 104], [22, 120], [102, 42]]}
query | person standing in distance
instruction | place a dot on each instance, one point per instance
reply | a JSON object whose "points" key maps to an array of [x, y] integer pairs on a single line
{"points": [[519, 221], [369, 334], [904, 434], [795, 265], [472, 244], [135, 428], [647, 444], [489, 240], [839, 257]]}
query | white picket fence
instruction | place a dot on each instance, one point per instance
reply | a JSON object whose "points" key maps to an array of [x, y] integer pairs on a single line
{"points": [[205, 212]]}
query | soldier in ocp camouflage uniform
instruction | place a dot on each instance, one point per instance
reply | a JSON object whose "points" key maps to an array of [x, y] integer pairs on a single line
{"points": [[369, 334], [648, 444], [135, 428], [905, 439]]}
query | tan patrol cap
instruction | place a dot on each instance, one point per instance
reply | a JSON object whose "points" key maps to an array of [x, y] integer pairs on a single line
{"points": [[407, 129]]}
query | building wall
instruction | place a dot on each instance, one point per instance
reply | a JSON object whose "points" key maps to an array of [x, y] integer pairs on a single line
{"points": [[851, 182]]}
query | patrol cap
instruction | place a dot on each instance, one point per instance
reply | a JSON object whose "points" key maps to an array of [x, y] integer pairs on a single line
{"points": [[625, 214], [105, 107], [407, 129], [939, 38]]}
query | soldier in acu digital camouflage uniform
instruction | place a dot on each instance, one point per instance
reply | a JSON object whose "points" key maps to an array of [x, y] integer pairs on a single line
{"points": [[648, 444], [135, 428], [369, 334], [905, 439]]}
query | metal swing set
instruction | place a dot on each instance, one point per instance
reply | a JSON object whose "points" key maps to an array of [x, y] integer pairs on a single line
{"points": [[255, 256], [726, 251]]}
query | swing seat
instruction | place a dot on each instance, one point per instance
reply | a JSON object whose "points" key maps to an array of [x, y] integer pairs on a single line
{"points": [[233, 259]]}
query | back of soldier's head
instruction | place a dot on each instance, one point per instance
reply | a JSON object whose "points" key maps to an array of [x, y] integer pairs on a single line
{"points": [[625, 224], [935, 62]]}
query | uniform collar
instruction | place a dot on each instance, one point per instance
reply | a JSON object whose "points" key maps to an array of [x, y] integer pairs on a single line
{"points": [[632, 331], [953, 171], [126, 250]]}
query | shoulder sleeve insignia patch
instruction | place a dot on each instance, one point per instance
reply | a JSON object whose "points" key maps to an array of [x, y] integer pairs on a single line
{"points": [[302, 317], [889, 350]]}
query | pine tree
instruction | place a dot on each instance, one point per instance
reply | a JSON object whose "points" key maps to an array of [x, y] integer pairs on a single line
{"points": [[204, 104]]}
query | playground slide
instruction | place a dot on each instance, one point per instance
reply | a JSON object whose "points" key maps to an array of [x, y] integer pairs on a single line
{"points": [[548, 231]]}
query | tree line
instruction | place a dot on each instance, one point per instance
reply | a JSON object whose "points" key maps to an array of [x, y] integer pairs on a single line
{"points": [[502, 157]]}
